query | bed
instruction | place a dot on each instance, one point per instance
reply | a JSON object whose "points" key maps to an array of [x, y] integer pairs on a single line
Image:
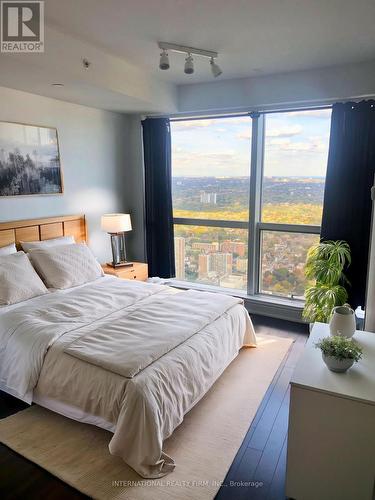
{"points": [[126, 356]]}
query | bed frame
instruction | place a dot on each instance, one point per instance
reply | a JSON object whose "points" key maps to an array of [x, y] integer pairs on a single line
{"points": [[43, 229]]}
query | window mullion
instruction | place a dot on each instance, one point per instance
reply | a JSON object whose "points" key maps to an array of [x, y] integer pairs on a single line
{"points": [[289, 228], [256, 169], [236, 224]]}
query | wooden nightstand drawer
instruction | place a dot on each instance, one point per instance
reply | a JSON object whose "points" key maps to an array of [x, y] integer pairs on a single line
{"points": [[139, 271]]}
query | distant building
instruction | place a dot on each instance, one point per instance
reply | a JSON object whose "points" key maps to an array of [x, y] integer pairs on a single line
{"points": [[233, 281], [208, 198], [237, 247], [203, 262], [179, 249], [241, 265], [221, 263], [205, 247], [216, 263]]}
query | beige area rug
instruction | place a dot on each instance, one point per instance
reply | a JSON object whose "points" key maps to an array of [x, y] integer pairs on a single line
{"points": [[203, 447]]}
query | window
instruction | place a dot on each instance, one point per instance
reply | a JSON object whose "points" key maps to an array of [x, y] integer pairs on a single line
{"points": [[248, 199], [210, 188], [295, 162], [294, 170], [211, 255], [283, 257], [211, 168]]}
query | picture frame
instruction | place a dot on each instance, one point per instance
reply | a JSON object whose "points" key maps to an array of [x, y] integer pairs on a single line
{"points": [[30, 163]]}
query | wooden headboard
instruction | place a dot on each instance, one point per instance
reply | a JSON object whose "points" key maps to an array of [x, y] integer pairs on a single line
{"points": [[43, 229]]}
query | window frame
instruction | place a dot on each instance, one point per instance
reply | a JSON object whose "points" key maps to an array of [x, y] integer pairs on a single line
{"points": [[254, 225]]}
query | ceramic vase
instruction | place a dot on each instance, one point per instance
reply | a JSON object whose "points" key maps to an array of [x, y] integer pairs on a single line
{"points": [[342, 321]]}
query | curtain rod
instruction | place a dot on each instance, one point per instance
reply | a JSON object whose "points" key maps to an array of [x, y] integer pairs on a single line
{"points": [[248, 113], [242, 113], [245, 112]]}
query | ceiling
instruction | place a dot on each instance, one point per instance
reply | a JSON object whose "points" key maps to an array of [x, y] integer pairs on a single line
{"points": [[253, 37]]}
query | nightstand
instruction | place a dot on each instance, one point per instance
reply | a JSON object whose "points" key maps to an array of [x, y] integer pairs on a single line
{"points": [[138, 271], [331, 438]]}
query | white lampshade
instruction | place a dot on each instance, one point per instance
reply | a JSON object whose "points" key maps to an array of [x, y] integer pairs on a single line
{"points": [[116, 223]]}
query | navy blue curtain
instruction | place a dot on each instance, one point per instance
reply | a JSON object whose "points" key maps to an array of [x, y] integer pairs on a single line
{"points": [[158, 197], [347, 197]]}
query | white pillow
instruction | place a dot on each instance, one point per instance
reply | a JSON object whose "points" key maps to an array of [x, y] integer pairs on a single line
{"points": [[18, 279], [65, 266], [27, 246], [8, 250]]}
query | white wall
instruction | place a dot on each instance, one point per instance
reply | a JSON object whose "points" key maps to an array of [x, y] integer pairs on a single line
{"points": [[134, 191], [93, 149], [317, 86]]}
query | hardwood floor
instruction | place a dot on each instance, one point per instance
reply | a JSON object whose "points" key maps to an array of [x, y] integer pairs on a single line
{"points": [[258, 470], [259, 464], [21, 479]]}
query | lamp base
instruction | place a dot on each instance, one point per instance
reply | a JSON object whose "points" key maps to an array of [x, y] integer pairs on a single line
{"points": [[120, 264]]}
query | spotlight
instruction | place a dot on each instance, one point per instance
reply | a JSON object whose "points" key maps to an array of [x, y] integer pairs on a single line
{"points": [[188, 52], [189, 65], [164, 60], [215, 68]]}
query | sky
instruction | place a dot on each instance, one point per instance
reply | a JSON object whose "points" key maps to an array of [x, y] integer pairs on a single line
{"points": [[296, 145]]}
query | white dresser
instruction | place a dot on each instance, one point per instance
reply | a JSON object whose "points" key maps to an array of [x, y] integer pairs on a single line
{"points": [[331, 437]]}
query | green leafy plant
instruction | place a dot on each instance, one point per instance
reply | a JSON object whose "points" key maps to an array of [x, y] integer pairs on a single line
{"points": [[340, 348], [325, 264]]}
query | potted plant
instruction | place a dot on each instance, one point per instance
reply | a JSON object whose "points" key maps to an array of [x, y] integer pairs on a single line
{"points": [[325, 264], [339, 353]]}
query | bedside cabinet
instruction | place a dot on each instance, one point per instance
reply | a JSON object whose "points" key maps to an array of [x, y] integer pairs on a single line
{"points": [[138, 271], [331, 437]]}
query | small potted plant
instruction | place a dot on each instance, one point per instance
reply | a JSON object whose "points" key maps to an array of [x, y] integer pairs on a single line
{"points": [[339, 353]]}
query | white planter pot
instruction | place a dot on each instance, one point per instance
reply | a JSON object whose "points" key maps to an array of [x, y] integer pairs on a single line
{"points": [[337, 365], [342, 321]]}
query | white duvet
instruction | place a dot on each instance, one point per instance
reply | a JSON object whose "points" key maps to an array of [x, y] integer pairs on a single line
{"points": [[130, 353]]}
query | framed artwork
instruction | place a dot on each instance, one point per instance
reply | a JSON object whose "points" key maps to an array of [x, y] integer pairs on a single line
{"points": [[29, 160]]}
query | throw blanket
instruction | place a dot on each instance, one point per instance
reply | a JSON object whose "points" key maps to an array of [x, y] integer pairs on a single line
{"points": [[127, 343]]}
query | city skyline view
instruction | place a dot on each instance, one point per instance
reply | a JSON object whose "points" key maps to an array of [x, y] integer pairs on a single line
{"points": [[296, 144], [210, 180]]}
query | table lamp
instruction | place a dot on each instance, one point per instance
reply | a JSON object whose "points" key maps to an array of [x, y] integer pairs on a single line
{"points": [[116, 225]]}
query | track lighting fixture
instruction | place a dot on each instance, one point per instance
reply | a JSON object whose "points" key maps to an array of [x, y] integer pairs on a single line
{"points": [[215, 68], [164, 60], [189, 63]]}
